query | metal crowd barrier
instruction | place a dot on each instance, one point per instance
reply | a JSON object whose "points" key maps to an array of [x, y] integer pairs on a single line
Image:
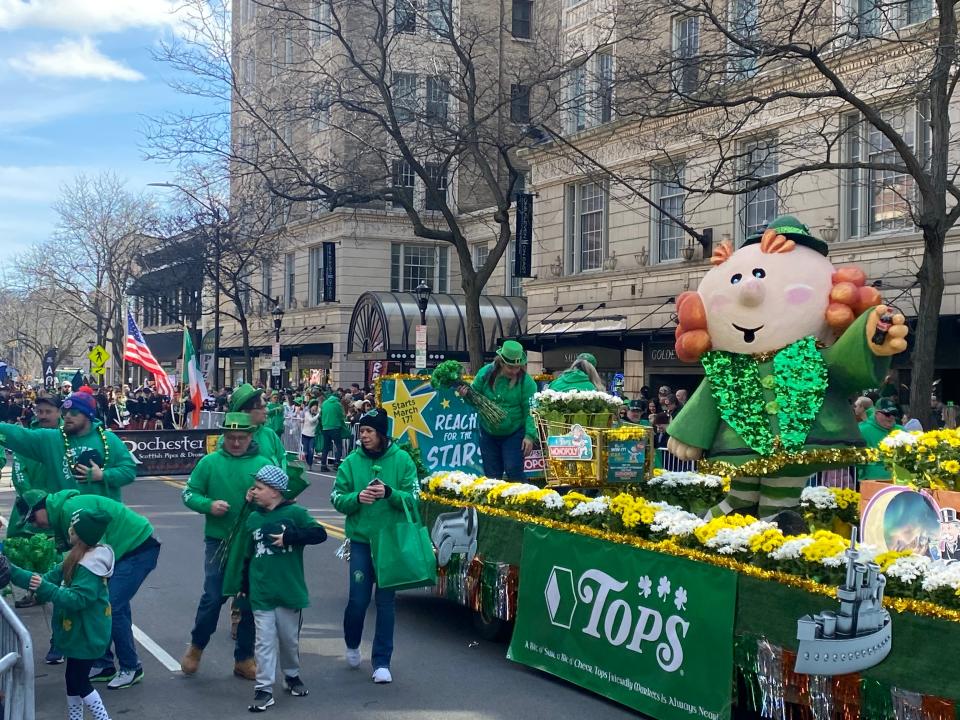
{"points": [[16, 667], [671, 463], [844, 477]]}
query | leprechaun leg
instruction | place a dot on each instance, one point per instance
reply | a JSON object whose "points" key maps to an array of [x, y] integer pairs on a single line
{"points": [[780, 493], [744, 493]]}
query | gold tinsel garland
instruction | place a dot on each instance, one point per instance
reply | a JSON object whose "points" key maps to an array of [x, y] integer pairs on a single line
{"points": [[669, 547], [772, 464]]}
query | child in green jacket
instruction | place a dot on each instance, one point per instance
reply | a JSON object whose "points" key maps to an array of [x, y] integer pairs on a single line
{"points": [[81, 607], [277, 531]]}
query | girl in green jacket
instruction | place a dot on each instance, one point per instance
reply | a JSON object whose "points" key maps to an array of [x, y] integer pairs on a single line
{"points": [[81, 607]]}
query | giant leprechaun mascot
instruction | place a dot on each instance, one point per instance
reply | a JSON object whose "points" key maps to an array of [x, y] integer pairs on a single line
{"points": [[785, 339]]}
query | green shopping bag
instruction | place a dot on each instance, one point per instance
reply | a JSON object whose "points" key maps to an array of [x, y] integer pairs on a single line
{"points": [[403, 556]]}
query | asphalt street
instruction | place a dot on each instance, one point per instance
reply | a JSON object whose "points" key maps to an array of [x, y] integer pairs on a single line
{"points": [[441, 667]]}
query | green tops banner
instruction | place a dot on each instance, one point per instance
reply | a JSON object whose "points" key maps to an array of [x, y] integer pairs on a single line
{"points": [[651, 631]]}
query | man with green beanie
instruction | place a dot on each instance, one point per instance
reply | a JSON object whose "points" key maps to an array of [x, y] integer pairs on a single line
{"points": [[81, 454], [217, 489], [874, 429], [136, 550], [249, 400], [581, 375]]}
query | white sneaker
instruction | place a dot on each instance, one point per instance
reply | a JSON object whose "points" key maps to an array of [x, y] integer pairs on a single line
{"points": [[382, 675], [125, 679], [353, 657]]}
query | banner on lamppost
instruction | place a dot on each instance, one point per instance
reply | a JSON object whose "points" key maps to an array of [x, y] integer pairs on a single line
{"points": [[649, 630], [523, 245], [421, 349], [329, 272], [50, 368]]}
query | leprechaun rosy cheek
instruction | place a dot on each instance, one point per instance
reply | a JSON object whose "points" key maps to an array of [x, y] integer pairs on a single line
{"points": [[719, 302], [797, 294]]}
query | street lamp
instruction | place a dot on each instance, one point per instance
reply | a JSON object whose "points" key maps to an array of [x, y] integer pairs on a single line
{"points": [[90, 344], [277, 313], [423, 293]]}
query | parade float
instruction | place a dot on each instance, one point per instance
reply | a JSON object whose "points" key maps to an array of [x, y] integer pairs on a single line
{"points": [[690, 594]]}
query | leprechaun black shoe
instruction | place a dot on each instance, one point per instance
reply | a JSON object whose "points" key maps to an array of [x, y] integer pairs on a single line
{"points": [[261, 701]]}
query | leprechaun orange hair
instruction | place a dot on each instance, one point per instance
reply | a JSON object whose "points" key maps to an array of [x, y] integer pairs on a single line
{"points": [[849, 298]]}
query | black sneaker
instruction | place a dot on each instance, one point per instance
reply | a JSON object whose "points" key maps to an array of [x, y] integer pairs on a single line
{"points": [[295, 686], [261, 701], [102, 675]]}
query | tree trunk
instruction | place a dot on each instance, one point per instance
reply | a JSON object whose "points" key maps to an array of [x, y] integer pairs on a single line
{"points": [[475, 339], [923, 358], [247, 356]]}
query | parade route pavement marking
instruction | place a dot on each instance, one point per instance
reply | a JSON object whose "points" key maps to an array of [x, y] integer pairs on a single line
{"points": [[162, 656]]}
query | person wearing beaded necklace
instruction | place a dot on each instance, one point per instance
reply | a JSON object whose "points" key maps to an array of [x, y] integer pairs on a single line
{"points": [[80, 455]]}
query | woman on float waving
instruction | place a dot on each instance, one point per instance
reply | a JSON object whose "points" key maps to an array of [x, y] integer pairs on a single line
{"points": [[505, 382]]}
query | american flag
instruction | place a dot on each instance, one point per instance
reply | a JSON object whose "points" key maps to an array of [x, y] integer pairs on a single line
{"points": [[137, 352]]}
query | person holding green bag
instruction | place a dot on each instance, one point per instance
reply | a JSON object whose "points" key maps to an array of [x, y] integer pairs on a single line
{"points": [[373, 485]]}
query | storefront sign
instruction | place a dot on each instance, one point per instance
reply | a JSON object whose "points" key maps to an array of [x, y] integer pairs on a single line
{"points": [[562, 358], [661, 353], [441, 424], [376, 369], [50, 368], [649, 630], [329, 272], [575, 445], [626, 460], [168, 452], [523, 247]]}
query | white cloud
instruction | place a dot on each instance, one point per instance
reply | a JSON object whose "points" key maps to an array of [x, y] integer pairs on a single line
{"points": [[33, 184], [73, 59], [88, 16]]}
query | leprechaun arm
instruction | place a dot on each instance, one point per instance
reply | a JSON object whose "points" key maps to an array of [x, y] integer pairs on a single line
{"points": [[343, 497], [195, 493], [851, 364], [406, 489], [82, 592], [120, 470], [697, 423]]}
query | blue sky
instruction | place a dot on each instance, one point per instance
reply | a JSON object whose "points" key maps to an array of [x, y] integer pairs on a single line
{"points": [[78, 82]]}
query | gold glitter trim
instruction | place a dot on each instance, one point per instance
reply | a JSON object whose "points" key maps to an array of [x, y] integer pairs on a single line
{"points": [[772, 464]]}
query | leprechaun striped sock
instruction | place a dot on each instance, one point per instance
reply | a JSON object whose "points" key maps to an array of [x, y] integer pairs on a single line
{"points": [[744, 493], [780, 493]]}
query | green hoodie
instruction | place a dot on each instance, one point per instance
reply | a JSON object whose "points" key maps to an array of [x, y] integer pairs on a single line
{"points": [[45, 445], [873, 433], [26, 474], [397, 472], [127, 530], [275, 417], [221, 476], [331, 414], [572, 380], [512, 398], [82, 619]]}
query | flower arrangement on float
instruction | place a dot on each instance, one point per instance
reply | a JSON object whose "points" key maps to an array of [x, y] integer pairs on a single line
{"points": [[740, 541], [924, 459], [587, 408]]}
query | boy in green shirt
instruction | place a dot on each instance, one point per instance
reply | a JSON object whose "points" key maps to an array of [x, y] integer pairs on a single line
{"points": [[277, 531]]}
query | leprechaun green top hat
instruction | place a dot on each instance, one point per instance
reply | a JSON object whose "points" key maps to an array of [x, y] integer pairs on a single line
{"points": [[792, 229]]}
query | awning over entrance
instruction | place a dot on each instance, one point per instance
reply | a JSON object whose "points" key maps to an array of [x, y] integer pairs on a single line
{"points": [[383, 325], [263, 338], [167, 347]]}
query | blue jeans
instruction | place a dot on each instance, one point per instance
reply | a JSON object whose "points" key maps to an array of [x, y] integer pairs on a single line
{"points": [[128, 575], [361, 588], [307, 446], [502, 455], [208, 611], [331, 438]]}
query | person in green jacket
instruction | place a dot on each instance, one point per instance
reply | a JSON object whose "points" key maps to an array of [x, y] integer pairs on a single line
{"points": [[332, 418], [137, 552], [506, 382], [277, 532], [581, 375], [275, 414], [372, 485], [874, 429], [82, 454], [249, 400], [81, 606], [217, 489]]}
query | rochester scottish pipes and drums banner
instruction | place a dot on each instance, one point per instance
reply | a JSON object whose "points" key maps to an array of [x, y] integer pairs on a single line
{"points": [[441, 424], [648, 630], [168, 452]]}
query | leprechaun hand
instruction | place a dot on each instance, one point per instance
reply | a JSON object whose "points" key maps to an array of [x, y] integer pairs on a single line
{"points": [[895, 340], [683, 451]]}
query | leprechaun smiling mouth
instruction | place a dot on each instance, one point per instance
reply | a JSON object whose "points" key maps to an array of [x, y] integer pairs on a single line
{"points": [[749, 334]]}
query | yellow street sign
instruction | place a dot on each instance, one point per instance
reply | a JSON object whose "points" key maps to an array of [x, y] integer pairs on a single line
{"points": [[99, 356]]}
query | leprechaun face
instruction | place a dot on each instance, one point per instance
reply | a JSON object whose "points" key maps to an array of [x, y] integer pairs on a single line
{"points": [[758, 302]]}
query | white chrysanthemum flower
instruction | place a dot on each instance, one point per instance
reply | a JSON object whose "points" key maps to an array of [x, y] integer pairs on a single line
{"points": [[675, 522], [733, 540], [596, 506], [941, 574], [674, 479], [519, 489], [909, 568], [899, 438], [818, 497], [791, 549]]}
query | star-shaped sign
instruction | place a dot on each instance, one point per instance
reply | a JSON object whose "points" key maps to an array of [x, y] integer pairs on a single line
{"points": [[445, 404], [406, 410]]}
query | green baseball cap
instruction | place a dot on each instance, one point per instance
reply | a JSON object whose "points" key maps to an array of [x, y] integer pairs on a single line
{"points": [[242, 395], [512, 353], [887, 407], [238, 421], [792, 229]]}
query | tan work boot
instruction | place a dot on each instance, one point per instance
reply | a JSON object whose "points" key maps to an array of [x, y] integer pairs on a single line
{"points": [[190, 661], [246, 669]]}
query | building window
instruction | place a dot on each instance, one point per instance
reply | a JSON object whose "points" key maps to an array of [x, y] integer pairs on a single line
{"points": [[438, 181], [881, 200], [412, 264], [480, 255], [316, 275], [440, 16], [249, 72], [686, 49], [322, 18], [759, 207], [321, 110], [404, 180], [288, 48], [745, 28], [588, 93], [871, 18], [670, 199], [274, 55], [586, 211], [405, 16], [520, 104], [248, 11], [522, 15], [604, 90], [438, 99], [266, 286], [575, 99], [404, 96], [290, 280]]}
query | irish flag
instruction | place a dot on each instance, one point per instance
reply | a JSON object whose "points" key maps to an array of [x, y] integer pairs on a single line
{"points": [[193, 383]]}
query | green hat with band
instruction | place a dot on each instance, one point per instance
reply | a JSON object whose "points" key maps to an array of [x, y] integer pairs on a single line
{"points": [[90, 524], [242, 395], [512, 353], [239, 421], [792, 229], [589, 357]]}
